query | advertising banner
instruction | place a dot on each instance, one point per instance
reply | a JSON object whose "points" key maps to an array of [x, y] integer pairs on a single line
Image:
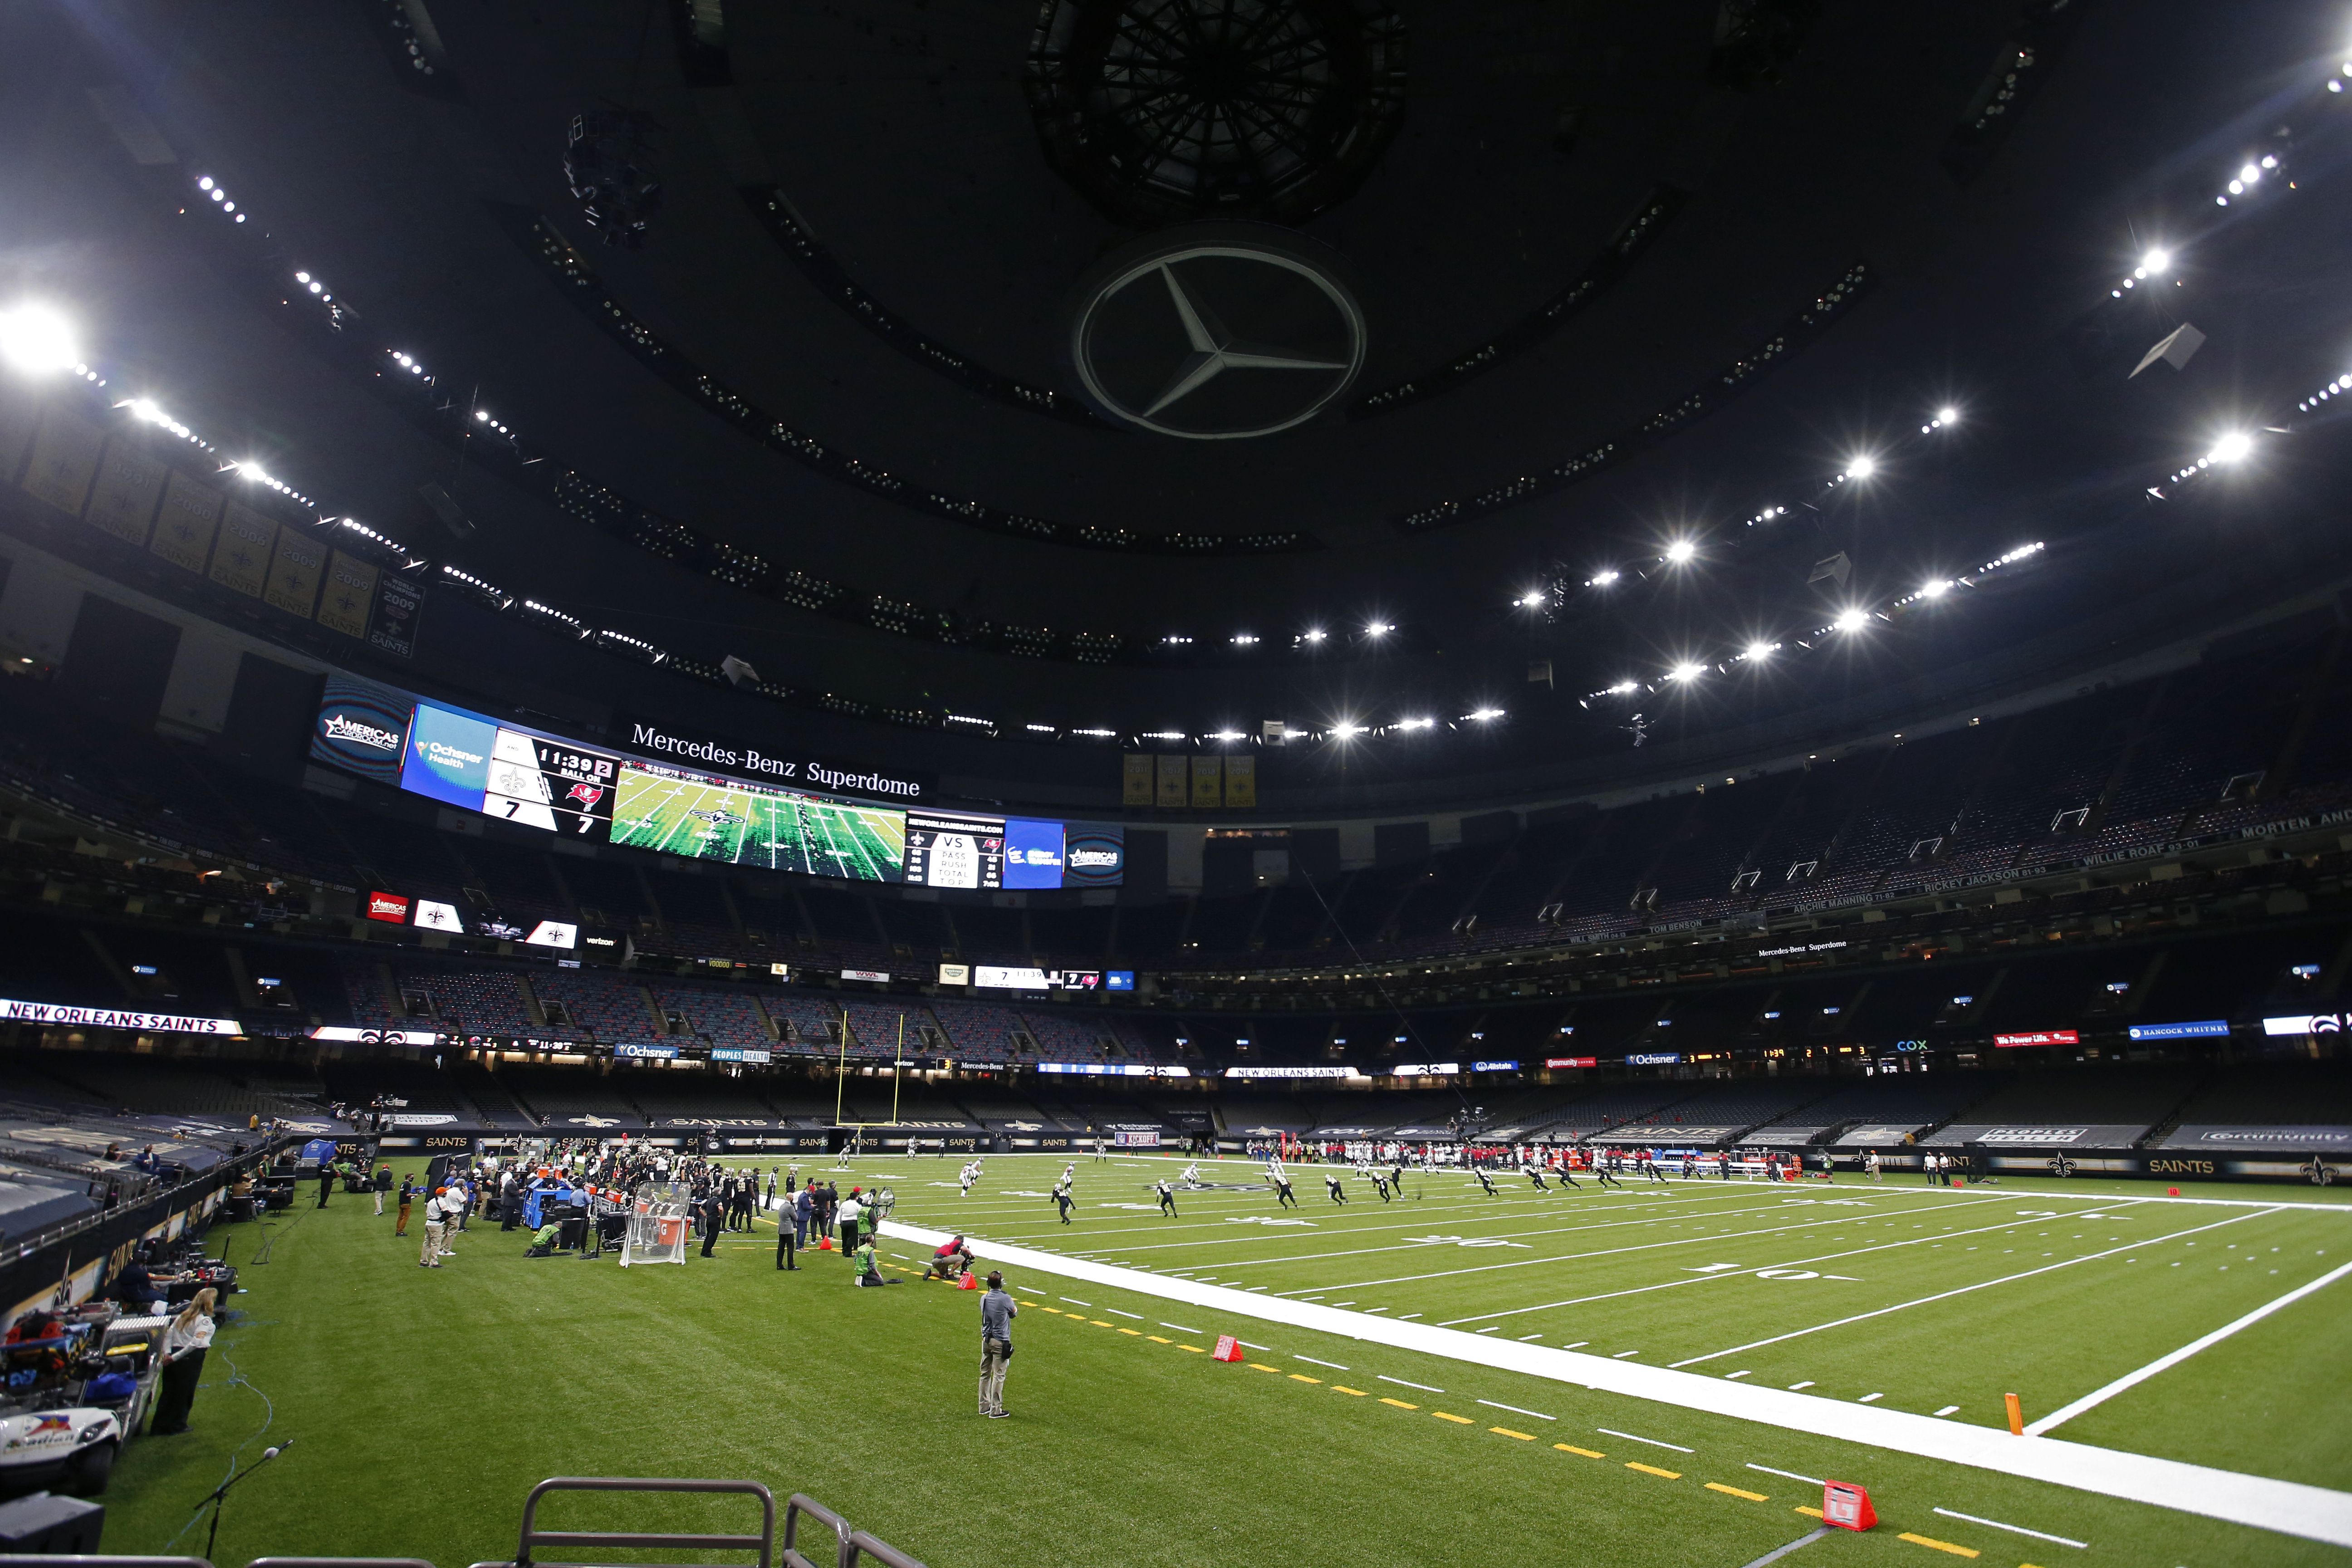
{"points": [[448, 756], [2202, 1029], [1094, 855], [1035, 853], [2039, 1037], [110, 1019], [1571, 1061], [389, 908], [361, 728]]}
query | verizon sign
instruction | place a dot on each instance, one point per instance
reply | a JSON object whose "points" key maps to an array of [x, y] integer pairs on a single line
{"points": [[108, 1018]]}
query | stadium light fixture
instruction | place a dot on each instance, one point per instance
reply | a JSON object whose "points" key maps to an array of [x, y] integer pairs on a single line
{"points": [[1483, 715], [37, 340], [1039, 728], [1681, 550], [1947, 416], [2155, 264], [1529, 600], [1378, 629], [1416, 723], [1936, 589], [1244, 639], [1346, 730], [1851, 620], [1602, 578], [1312, 634], [1228, 735], [1861, 467], [2230, 449], [1687, 671], [1760, 650], [1626, 688]]}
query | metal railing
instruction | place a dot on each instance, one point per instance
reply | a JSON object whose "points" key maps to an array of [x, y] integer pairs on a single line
{"points": [[800, 1504], [533, 1537]]}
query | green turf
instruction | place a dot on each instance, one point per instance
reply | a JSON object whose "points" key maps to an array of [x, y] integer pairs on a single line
{"points": [[713, 819], [425, 1404]]}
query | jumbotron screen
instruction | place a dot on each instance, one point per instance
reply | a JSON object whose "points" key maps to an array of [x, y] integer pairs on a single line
{"points": [[707, 817], [517, 775]]}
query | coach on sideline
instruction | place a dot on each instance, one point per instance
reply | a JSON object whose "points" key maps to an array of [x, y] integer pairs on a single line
{"points": [[996, 1314]]}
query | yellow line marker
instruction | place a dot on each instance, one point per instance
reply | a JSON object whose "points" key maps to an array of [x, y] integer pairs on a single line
{"points": [[1572, 1448], [1196, 1350], [1652, 1470], [1102, 1323], [1137, 1333], [1159, 1339], [1343, 1388], [1735, 1491], [1302, 1377], [1056, 1311], [1801, 1508], [1260, 1366], [1399, 1404], [1934, 1544], [1459, 1420], [1506, 1432]]}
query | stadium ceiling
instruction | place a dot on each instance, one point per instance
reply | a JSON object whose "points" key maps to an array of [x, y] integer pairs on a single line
{"points": [[1661, 306]]}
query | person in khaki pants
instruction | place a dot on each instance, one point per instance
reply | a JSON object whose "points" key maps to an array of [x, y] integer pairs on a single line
{"points": [[996, 1314], [436, 1228]]}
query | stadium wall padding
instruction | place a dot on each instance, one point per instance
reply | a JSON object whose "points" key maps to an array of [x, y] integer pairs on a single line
{"points": [[118, 662]]}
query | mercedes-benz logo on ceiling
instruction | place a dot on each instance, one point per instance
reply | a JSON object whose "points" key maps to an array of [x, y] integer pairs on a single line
{"points": [[1217, 333]]}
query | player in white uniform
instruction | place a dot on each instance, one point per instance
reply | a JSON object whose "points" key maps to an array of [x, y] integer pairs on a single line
{"points": [[971, 1174], [1192, 1177]]}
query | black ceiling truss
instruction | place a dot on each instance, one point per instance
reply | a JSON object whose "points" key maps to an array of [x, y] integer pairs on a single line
{"points": [[1817, 316], [1657, 209]]}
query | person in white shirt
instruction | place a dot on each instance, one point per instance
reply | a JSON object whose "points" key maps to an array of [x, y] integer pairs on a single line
{"points": [[436, 1229], [852, 1211], [185, 1342]]}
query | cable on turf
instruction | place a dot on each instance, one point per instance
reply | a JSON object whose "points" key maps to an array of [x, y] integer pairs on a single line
{"points": [[269, 1413]]}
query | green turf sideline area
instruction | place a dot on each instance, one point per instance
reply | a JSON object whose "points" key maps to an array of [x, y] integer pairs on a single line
{"points": [[424, 1405]]}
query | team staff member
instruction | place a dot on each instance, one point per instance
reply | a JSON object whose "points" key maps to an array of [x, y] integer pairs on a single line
{"points": [[436, 1230], [408, 1193], [785, 1242], [852, 1211], [996, 1314], [184, 1343]]}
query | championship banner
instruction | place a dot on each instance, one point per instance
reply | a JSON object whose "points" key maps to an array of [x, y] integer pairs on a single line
{"points": [[1173, 774], [241, 555], [351, 592], [295, 569], [129, 484], [1208, 783], [184, 529], [65, 460], [1135, 785], [398, 602], [1241, 783]]}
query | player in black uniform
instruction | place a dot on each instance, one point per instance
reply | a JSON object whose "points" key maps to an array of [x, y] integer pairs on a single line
{"points": [[1533, 1172], [1380, 1185], [1600, 1159], [1566, 1172], [1283, 1196], [1485, 1180], [1338, 1193], [1167, 1195], [1062, 1199]]}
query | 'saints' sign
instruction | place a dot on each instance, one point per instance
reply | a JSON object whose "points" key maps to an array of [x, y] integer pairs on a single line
{"points": [[109, 1018]]}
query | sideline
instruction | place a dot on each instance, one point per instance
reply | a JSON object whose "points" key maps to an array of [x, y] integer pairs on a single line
{"points": [[2098, 1397], [2316, 1513]]}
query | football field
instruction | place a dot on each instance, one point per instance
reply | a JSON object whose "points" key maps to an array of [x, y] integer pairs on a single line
{"points": [[714, 821], [1388, 1404]]}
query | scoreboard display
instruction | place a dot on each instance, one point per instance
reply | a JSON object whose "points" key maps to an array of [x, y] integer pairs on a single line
{"points": [[550, 785], [954, 851]]}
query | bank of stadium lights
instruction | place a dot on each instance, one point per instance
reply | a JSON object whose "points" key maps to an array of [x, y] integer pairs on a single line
{"points": [[1943, 419], [1042, 728], [147, 412], [1602, 578], [1850, 621], [315, 287], [2342, 383], [1244, 639], [1530, 599], [1415, 724], [2249, 176], [2234, 447], [252, 473], [1758, 652], [1685, 672], [1483, 715], [1860, 467], [1680, 551], [1378, 629], [967, 718], [38, 341], [482, 415], [1228, 735], [409, 364], [553, 614], [1347, 729], [212, 188]]}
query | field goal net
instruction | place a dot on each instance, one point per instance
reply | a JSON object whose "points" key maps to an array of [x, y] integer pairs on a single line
{"points": [[657, 1224]]}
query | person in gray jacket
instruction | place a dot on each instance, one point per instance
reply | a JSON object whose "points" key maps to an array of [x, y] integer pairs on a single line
{"points": [[997, 1311]]}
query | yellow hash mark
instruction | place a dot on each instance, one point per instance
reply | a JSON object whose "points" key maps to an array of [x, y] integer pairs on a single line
{"points": [[1506, 1432], [1137, 1332], [1302, 1377], [1159, 1339], [1572, 1448], [1399, 1404], [1735, 1491], [1930, 1541], [1652, 1470], [1462, 1420], [1102, 1323], [1057, 1311], [1260, 1366], [1801, 1508], [1343, 1388], [1196, 1350]]}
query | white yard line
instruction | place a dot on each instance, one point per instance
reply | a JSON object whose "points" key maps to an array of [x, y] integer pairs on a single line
{"points": [[2016, 1529], [2316, 1513], [1962, 1290], [2098, 1397]]}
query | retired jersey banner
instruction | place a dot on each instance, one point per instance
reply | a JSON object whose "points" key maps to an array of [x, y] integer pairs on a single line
{"points": [[65, 460], [241, 555], [295, 568], [398, 603], [129, 484], [185, 526], [350, 593]]}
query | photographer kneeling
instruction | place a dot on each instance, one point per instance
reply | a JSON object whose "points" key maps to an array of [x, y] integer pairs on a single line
{"points": [[869, 1270]]}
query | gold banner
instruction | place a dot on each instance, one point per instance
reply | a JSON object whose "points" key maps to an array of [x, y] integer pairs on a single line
{"points": [[1135, 787], [1208, 783], [1174, 774], [129, 481], [65, 460], [295, 568], [1241, 783], [184, 528], [351, 589], [241, 555]]}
